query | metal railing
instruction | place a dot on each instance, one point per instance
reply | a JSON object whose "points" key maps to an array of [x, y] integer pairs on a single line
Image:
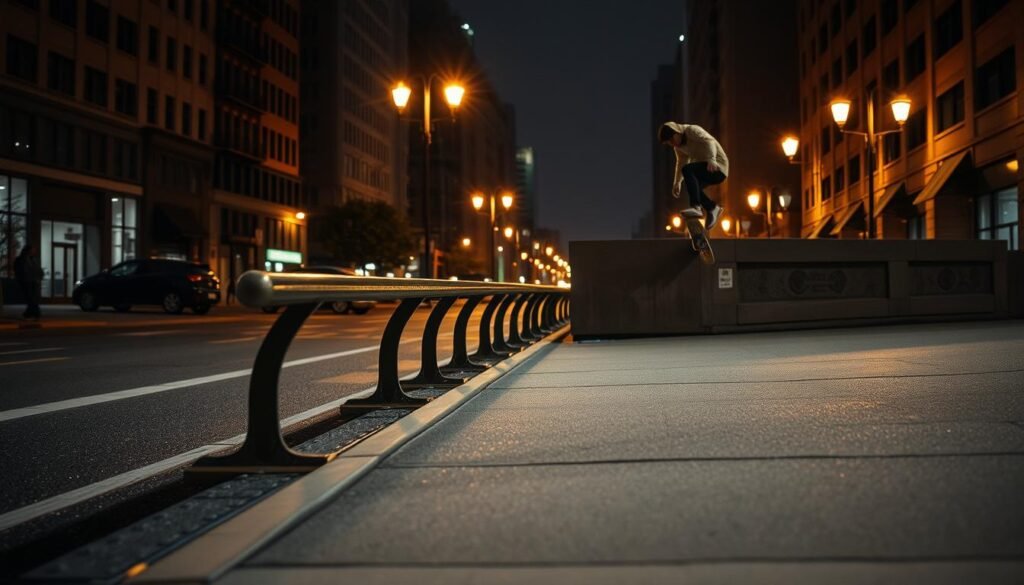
{"points": [[536, 312]]}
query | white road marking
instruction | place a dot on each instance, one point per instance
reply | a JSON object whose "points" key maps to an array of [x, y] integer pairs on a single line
{"points": [[48, 407], [35, 361], [39, 350]]}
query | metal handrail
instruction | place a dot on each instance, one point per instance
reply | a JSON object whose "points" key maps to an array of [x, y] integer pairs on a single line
{"points": [[537, 310]]}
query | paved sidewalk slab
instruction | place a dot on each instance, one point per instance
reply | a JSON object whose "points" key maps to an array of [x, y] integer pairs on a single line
{"points": [[848, 456]]}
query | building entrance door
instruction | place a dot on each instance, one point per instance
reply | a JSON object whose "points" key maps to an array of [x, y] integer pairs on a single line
{"points": [[65, 270]]}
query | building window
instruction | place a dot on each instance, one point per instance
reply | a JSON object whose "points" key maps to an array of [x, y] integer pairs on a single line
{"points": [[908, 4], [890, 15], [201, 132], [837, 72], [13, 221], [204, 9], [64, 12], [823, 39], [95, 86], [853, 169], [891, 147], [22, 59], [127, 36], [984, 10], [188, 10], [917, 131], [851, 57], [913, 65], [950, 107], [186, 60], [172, 5], [126, 97], [95, 152], [836, 20], [97, 21], [202, 69], [152, 106], [869, 38], [826, 189], [172, 54], [891, 75], [840, 179], [949, 29], [186, 118], [60, 73], [826, 140], [126, 159], [61, 147], [169, 113], [123, 228], [154, 45], [997, 217], [995, 80]]}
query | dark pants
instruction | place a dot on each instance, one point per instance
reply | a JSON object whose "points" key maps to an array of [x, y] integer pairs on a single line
{"points": [[696, 177], [31, 290]]}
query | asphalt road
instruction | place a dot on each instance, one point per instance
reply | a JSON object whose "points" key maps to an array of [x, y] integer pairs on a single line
{"points": [[70, 446]]}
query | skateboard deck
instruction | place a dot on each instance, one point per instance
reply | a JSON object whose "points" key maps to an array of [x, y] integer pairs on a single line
{"points": [[699, 239]]}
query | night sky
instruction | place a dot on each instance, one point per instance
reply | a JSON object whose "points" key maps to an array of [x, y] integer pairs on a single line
{"points": [[578, 73]]}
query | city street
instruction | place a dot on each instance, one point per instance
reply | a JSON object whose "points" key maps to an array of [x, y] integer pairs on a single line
{"points": [[64, 427]]}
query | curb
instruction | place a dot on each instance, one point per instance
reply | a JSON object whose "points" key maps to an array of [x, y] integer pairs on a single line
{"points": [[216, 552]]}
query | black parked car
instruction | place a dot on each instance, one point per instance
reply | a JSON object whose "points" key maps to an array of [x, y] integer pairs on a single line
{"points": [[172, 284]]}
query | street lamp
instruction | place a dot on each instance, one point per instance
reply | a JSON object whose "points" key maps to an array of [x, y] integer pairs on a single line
{"points": [[400, 94], [507, 200], [466, 242], [754, 201], [841, 114]]}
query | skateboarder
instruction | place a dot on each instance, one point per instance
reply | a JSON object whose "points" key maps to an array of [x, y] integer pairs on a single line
{"points": [[700, 161]]}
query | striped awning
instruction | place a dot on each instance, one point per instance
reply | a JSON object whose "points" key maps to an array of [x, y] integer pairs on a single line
{"points": [[846, 216], [941, 177], [890, 193], [819, 227]]}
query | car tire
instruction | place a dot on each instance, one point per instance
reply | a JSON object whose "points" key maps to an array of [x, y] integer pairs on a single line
{"points": [[201, 309], [340, 307], [270, 310], [122, 308], [360, 311], [173, 304], [88, 302]]}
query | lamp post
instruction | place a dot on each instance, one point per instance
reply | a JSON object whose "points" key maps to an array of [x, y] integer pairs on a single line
{"points": [[453, 93], [507, 200], [841, 113]]}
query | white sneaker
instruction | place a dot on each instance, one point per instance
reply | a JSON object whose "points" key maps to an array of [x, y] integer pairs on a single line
{"points": [[713, 220], [690, 212]]}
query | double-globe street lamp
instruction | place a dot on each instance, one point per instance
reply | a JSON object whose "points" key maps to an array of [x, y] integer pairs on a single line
{"points": [[507, 200], [453, 93], [840, 108]]}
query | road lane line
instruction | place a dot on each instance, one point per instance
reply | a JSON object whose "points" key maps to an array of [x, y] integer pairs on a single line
{"points": [[39, 350], [36, 361], [151, 333], [59, 405], [236, 340]]}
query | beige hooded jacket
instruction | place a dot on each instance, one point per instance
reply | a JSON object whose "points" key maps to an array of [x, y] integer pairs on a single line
{"points": [[700, 146]]}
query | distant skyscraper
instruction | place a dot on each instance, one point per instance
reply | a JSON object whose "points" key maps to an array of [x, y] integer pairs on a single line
{"points": [[526, 187]]}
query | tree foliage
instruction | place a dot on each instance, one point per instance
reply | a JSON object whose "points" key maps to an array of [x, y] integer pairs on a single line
{"points": [[358, 232]]}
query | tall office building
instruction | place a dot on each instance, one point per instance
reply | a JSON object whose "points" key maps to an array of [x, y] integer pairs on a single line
{"points": [[953, 170], [354, 145], [742, 70], [105, 129], [527, 188], [257, 190]]}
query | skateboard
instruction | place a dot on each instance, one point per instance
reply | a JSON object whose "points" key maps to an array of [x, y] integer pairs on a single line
{"points": [[699, 239]]}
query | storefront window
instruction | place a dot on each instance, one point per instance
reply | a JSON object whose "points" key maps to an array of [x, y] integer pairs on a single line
{"points": [[123, 226], [61, 258], [13, 221], [997, 217]]}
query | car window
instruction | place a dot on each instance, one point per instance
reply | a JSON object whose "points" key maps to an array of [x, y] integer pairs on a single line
{"points": [[124, 269]]}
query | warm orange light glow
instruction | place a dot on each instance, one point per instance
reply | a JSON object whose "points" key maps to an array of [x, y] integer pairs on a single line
{"points": [[676, 221], [536, 245], [790, 144], [478, 201], [400, 93], [754, 199], [506, 200], [900, 109], [549, 250], [508, 232], [523, 255], [136, 570], [784, 200], [1012, 166], [840, 111], [300, 215], [466, 242], [453, 93], [726, 224]]}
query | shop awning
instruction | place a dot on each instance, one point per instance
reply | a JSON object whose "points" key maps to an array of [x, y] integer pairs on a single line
{"points": [[889, 195], [174, 223], [819, 227], [846, 216], [941, 177]]}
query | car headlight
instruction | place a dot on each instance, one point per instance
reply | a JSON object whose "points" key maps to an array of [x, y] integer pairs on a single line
{"points": [[79, 282]]}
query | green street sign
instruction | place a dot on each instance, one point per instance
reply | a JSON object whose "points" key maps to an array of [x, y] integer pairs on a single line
{"points": [[284, 256]]}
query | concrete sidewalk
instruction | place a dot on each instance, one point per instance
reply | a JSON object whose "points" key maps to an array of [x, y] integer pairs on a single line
{"points": [[886, 454]]}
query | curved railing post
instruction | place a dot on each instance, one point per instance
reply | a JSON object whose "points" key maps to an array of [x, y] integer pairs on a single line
{"points": [[546, 324], [460, 353], [388, 393], [529, 328], [264, 449], [430, 375], [515, 339], [485, 351], [501, 347]]}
